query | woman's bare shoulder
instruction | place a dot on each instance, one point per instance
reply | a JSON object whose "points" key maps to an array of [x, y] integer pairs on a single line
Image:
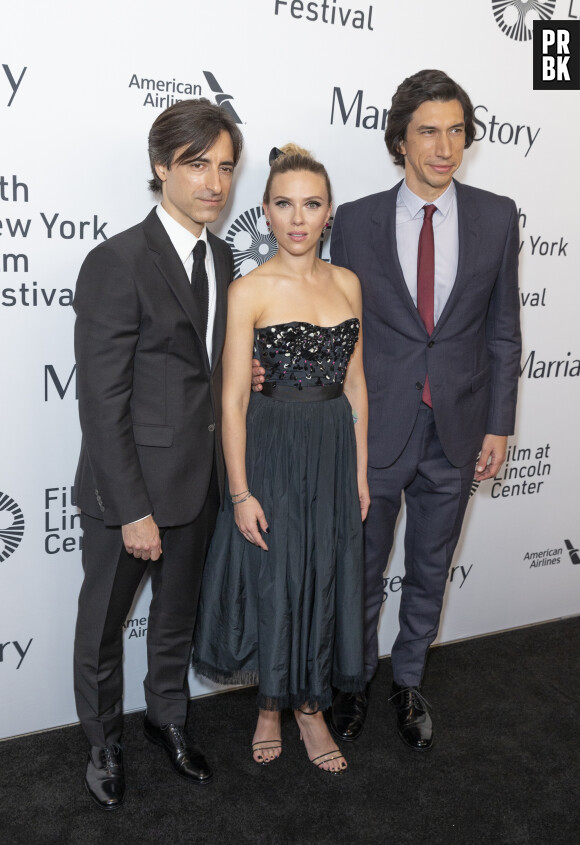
{"points": [[345, 279]]}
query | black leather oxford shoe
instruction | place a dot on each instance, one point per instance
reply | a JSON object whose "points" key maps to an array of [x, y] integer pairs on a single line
{"points": [[413, 720], [186, 759], [105, 778], [347, 715]]}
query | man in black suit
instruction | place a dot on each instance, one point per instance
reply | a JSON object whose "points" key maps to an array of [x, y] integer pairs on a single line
{"points": [[151, 314], [437, 262]]}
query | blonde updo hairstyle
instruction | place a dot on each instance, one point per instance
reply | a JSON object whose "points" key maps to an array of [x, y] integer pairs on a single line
{"points": [[292, 158]]}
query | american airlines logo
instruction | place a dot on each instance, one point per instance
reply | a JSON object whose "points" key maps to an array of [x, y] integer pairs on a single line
{"points": [[223, 100], [162, 93], [573, 552]]}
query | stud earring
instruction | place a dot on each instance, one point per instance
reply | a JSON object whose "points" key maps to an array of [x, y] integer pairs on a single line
{"points": [[268, 223]]}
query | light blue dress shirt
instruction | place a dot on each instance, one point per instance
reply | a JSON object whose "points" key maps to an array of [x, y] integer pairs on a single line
{"points": [[409, 220]]}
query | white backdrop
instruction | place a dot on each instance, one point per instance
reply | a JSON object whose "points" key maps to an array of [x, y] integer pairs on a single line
{"points": [[75, 116]]}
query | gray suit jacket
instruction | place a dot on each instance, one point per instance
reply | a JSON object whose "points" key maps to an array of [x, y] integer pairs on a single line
{"points": [[149, 402], [473, 355]]}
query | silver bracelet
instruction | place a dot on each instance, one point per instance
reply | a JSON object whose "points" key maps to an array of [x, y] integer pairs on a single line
{"points": [[245, 499], [237, 495]]}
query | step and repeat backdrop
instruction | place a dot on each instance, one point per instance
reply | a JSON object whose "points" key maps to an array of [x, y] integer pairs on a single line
{"points": [[79, 90]]}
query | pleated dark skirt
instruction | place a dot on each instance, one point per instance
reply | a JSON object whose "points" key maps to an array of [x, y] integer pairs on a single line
{"points": [[291, 618]]}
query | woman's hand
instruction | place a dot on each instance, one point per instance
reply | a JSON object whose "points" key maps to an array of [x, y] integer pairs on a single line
{"points": [[250, 518], [364, 497]]}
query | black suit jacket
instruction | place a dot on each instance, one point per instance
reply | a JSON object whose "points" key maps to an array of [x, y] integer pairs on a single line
{"points": [[149, 402], [473, 355]]}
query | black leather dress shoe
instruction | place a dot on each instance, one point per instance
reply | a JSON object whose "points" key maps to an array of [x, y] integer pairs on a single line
{"points": [[347, 715], [186, 759], [105, 778], [413, 719]]}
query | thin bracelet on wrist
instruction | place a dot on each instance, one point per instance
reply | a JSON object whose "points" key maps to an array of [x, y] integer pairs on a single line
{"points": [[237, 495], [245, 499]]}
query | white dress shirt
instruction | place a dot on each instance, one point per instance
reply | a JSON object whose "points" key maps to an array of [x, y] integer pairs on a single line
{"points": [[184, 243], [409, 221]]}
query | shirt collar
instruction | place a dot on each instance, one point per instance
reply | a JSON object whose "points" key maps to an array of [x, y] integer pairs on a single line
{"points": [[414, 204], [181, 238]]}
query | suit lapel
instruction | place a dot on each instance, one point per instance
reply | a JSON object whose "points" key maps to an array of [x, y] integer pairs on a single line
{"points": [[169, 265], [468, 237], [223, 270], [384, 221]]}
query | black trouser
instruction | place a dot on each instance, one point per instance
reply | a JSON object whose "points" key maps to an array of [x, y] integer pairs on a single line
{"points": [[111, 580]]}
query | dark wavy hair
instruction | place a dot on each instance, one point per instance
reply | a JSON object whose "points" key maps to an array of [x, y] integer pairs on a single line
{"points": [[291, 158], [411, 93], [195, 123]]}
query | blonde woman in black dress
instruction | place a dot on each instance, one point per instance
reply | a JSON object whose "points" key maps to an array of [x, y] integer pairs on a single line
{"points": [[282, 596]]}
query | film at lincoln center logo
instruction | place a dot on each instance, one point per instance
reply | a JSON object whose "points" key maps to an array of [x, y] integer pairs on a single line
{"points": [[516, 17], [251, 241], [11, 526]]}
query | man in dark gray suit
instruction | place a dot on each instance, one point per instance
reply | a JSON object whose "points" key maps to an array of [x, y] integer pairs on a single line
{"points": [[151, 313], [437, 262]]}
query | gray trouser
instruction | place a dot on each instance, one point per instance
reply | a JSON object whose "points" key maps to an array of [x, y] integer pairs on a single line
{"points": [[436, 496]]}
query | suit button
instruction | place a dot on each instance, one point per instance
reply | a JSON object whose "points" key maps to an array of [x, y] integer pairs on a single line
{"points": [[211, 427], [431, 343], [419, 386]]}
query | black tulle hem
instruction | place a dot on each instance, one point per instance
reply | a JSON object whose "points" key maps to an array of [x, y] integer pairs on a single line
{"points": [[305, 700]]}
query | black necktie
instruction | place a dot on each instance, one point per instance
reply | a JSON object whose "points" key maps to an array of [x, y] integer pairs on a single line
{"points": [[199, 284]]}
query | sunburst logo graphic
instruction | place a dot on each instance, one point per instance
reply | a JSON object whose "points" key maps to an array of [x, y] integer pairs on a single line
{"points": [[474, 488], [516, 17], [251, 241], [11, 526]]}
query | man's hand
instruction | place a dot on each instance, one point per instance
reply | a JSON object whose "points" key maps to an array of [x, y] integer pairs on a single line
{"points": [[142, 539], [493, 452], [258, 373]]}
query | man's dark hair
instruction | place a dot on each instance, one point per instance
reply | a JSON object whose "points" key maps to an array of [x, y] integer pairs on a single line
{"points": [[411, 93], [195, 123]]}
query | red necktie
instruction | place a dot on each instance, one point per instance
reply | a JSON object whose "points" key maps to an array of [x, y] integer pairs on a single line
{"points": [[426, 282]]}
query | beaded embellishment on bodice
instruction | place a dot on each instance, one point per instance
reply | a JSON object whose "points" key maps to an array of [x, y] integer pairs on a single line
{"points": [[305, 355]]}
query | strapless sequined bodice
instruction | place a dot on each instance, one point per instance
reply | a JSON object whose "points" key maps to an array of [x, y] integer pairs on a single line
{"points": [[304, 355]]}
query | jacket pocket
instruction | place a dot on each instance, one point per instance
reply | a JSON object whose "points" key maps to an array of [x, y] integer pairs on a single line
{"points": [[153, 435], [481, 379]]}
